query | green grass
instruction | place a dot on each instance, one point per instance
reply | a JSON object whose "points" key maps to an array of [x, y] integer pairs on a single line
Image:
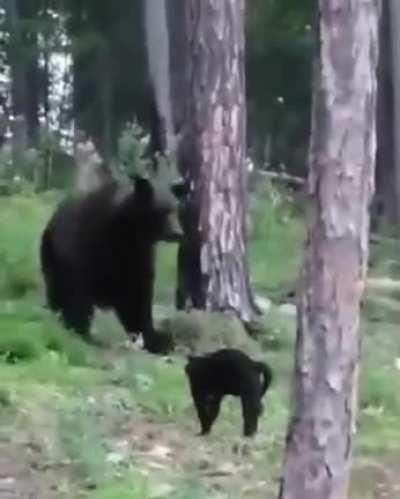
{"points": [[84, 401], [21, 219], [28, 332], [158, 387], [128, 488], [82, 441], [276, 244]]}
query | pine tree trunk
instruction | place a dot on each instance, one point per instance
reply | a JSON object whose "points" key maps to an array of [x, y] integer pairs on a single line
{"points": [[342, 157], [213, 272]]}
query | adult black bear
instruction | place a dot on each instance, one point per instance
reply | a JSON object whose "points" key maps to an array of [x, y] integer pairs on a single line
{"points": [[227, 372], [98, 250]]}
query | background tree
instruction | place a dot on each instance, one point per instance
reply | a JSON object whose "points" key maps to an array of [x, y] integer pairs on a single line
{"points": [[385, 203], [111, 84], [279, 45], [23, 59], [109, 71], [341, 183], [213, 269], [394, 16]]}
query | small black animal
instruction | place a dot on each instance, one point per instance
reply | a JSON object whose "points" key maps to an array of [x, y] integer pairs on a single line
{"points": [[227, 372]]}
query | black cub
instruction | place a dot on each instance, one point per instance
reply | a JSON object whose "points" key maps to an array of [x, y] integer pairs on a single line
{"points": [[227, 372]]}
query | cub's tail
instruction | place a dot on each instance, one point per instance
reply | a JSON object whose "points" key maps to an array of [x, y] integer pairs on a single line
{"points": [[267, 375]]}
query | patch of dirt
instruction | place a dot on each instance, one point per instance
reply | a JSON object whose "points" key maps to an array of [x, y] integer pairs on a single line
{"points": [[25, 475], [374, 480], [223, 464]]}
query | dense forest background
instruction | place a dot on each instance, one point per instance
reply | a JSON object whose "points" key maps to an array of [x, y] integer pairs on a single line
{"points": [[81, 64]]}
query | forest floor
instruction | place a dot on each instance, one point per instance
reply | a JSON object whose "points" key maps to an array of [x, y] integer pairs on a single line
{"points": [[117, 423], [123, 426]]}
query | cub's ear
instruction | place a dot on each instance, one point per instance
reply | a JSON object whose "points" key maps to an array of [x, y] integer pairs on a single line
{"points": [[180, 188], [143, 189]]}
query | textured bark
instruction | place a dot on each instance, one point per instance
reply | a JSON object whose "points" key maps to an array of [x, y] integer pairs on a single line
{"points": [[213, 271], [394, 15], [342, 157]]}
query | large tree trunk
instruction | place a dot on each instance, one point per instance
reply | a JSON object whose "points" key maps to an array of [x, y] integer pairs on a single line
{"points": [[385, 200], [394, 15], [342, 157], [213, 272]]}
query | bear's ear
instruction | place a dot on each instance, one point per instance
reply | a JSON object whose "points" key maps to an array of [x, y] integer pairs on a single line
{"points": [[143, 189], [180, 188]]}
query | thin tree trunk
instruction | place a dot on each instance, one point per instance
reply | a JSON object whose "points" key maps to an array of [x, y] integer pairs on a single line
{"points": [[178, 62], [24, 72], [18, 82], [213, 271], [157, 48], [31, 70], [385, 203], [106, 93], [394, 15], [343, 147]]}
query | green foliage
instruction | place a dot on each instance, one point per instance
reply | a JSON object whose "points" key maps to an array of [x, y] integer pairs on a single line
{"points": [[130, 488], [82, 442], [29, 334], [380, 380], [384, 257], [47, 373], [166, 272], [379, 391], [131, 150], [275, 249], [158, 388], [110, 76], [279, 45], [5, 398], [201, 331], [278, 332], [16, 346], [108, 50], [20, 222]]}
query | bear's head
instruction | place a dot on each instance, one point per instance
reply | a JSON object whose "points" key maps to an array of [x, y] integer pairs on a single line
{"points": [[156, 208]]}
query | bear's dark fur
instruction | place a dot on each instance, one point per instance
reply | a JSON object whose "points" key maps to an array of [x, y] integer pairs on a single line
{"points": [[227, 372], [98, 251]]}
